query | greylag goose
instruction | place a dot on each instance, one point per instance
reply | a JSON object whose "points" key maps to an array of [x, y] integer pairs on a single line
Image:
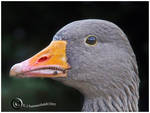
{"points": [[93, 56]]}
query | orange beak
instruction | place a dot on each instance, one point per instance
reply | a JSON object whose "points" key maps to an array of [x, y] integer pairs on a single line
{"points": [[50, 62]]}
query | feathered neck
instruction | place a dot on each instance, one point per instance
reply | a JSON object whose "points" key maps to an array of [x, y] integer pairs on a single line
{"points": [[111, 103], [119, 97]]}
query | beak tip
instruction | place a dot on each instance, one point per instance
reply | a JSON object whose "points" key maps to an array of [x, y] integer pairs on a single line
{"points": [[15, 69]]}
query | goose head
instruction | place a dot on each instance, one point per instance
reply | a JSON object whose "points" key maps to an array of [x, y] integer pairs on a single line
{"points": [[93, 56]]}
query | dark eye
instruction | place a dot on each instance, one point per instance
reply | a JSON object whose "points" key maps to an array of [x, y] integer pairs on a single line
{"points": [[91, 40]]}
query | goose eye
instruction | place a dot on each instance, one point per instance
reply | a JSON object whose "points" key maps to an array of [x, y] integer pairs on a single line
{"points": [[91, 40]]}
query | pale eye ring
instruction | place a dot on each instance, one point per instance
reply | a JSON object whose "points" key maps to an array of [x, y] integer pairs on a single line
{"points": [[91, 40]]}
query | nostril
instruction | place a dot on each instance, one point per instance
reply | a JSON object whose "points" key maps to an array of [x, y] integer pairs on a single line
{"points": [[43, 59]]}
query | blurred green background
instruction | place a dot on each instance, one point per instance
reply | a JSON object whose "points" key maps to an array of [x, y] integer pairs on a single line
{"points": [[28, 27]]}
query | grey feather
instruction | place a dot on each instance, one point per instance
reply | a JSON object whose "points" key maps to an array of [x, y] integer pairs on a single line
{"points": [[107, 73]]}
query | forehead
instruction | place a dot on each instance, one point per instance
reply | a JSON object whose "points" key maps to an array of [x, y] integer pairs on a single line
{"points": [[103, 30]]}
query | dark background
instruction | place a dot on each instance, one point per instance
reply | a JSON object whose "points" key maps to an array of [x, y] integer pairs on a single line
{"points": [[28, 27]]}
